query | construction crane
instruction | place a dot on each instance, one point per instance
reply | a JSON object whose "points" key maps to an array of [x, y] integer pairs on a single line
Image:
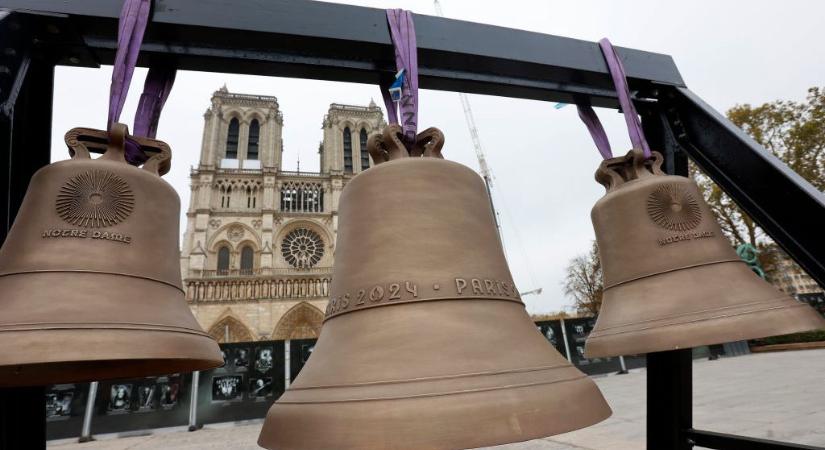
{"points": [[486, 173], [533, 292]]}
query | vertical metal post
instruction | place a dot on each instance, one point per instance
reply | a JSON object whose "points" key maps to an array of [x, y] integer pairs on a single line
{"points": [[623, 370], [25, 146], [669, 374], [669, 399], [193, 402], [23, 418], [564, 336], [287, 364], [86, 431]]}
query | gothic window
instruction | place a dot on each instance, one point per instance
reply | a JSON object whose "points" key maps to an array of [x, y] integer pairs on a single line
{"points": [[347, 151], [226, 194], [223, 261], [247, 260], [302, 248], [252, 147], [230, 329], [232, 139], [302, 197], [365, 156]]}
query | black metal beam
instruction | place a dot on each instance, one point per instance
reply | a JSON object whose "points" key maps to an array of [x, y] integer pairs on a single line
{"points": [[722, 441], [307, 39], [786, 206]]}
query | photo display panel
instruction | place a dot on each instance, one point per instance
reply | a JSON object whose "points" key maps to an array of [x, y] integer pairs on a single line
{"points": [[244, 388], [142, 403], [65, 406], [816, 300], [551, 330], [299, 352], [577, 331]]}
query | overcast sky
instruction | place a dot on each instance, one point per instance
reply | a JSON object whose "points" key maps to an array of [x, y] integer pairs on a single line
{"points": [[543, 160]]}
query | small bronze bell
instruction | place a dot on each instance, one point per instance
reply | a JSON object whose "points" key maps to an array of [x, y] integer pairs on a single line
{"points": [[426, 343], [90, 283], [671, 279]]}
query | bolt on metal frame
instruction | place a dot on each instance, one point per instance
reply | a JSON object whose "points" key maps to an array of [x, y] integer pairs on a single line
{"points": [[296, 38]]}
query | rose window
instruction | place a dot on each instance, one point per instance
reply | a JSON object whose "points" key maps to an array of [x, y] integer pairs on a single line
{"points": [[302, 248]]}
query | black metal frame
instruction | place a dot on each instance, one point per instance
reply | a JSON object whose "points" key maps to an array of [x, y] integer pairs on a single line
{"points": [[297, 38]]}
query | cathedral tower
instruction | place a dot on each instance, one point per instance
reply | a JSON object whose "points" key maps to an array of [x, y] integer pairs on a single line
{"points": [[258, 248]]}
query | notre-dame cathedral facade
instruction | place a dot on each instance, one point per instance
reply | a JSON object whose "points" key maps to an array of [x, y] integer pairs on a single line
{"points": [[257, 252]]}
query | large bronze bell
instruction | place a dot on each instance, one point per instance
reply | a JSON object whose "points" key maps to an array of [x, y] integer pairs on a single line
{"points": [[90, 284], [671, 279], [426, 343]]}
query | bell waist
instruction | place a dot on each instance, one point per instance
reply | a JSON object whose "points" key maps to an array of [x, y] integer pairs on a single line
{"points": [[356, 298], [134, 326], [698, 316], [92, 272], [676, 269]]}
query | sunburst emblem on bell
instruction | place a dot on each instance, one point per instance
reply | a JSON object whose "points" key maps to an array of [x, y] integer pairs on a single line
{"points": [[95, 199], [90, 284], [671, 279], [426, 343]]}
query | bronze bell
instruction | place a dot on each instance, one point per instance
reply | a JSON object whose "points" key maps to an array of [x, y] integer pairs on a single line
{"points": [[90, 284], [426, 343], [671, 279]]}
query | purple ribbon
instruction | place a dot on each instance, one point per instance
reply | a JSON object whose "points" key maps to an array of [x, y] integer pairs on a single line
{"points": [[131, 27], [402, 32], [133, 19], [156, 90], [634, 125], [594, 125]]}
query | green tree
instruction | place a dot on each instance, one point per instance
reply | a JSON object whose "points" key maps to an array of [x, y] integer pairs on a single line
{"points": [[583, 281], [795, 133]]}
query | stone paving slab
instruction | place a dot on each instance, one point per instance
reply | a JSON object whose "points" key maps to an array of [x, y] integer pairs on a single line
{"points": [[777, 396]]}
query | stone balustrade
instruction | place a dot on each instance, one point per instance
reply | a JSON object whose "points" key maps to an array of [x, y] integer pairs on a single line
{"points": [[239, 289]]}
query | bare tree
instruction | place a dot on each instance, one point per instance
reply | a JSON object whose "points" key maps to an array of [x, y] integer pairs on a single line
{"points": [[583, 282]]}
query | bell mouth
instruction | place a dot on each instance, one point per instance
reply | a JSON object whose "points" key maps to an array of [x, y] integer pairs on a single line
{"points": [[505, 416], [94, 355], [123, 327], [681, 309], [413, 392], [87, 371]]}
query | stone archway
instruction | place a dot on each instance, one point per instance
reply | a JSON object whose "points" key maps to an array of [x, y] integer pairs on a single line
{"points": [[302, 321], [230, 329]]}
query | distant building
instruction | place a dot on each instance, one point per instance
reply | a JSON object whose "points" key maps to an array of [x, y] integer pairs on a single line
{"points": [[258, 248], [786, 275]]}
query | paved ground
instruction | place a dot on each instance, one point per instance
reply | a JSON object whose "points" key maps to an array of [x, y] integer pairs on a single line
{"points": [[775, 395]]}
